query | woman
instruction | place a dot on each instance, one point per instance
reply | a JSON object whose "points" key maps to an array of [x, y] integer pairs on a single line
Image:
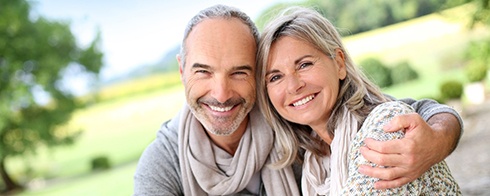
{"points": [[313, 96]]}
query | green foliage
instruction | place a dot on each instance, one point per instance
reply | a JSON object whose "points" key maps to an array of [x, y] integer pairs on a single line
{"points": [[34, 53], [362, 15], [270, 13], [482, 12], [478, 55], [451, 89], [403, 72], [379, 73], [479, 51], [476, 71], [100, 163]]}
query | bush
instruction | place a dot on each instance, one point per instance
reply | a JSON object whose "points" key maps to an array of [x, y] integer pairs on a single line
{"points": [[403, 72], [476, 71], [100, 163], [451, 89], [377, 72]]}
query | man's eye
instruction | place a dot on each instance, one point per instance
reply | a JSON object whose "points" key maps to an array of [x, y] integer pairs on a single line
{"points": [[239, 73], [202, 71]]}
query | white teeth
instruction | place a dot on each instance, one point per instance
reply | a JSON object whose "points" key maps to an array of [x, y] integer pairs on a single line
{"points": [[303, 101], [220, 109]]}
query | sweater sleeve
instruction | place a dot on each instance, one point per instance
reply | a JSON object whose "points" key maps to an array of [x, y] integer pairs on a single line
{"points": [[427, 108], [158, 170]]}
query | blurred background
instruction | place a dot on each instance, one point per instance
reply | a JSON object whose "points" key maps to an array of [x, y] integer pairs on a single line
{"points": [[85, 85]]}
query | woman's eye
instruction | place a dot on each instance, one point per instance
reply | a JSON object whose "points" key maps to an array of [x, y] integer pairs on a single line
{"points": [[274, 78], [304, 65]]}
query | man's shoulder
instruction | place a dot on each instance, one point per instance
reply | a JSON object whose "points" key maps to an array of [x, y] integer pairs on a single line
{"points": [[164, 148], [158, 169]]}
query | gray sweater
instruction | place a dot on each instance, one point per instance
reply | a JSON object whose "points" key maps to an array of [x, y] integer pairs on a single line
{"points": [[158, 171]]}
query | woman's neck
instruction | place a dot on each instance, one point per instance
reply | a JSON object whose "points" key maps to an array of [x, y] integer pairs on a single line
{"points": [[323, 133]]}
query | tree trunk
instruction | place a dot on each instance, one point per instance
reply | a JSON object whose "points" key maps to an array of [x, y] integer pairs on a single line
{"points": [[10, 185]]}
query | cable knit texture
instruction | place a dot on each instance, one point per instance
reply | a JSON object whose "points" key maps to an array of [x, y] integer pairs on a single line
{"points": [[436, 181]]}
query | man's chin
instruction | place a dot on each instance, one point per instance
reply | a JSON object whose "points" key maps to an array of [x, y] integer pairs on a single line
{"points": [[222, 129], [221, 132]]}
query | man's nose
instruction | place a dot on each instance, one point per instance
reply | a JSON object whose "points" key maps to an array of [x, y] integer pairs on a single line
{"points": [[221, 89]]}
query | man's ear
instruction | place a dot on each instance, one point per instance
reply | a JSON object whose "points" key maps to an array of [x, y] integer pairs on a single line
{"points": [[181, 67]]}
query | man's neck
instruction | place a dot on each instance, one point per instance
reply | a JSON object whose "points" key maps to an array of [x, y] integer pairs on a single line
{"points": [[230, 143]]}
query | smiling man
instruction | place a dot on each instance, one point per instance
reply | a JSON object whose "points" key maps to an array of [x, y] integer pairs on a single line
{"points": [[219, 144]]}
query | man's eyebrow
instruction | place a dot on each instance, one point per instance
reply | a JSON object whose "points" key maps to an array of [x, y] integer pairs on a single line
{"points": [[243, 67], [235, 68], [200, 65]]}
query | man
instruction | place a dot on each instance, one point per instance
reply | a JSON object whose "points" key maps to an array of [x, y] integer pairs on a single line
{"points": [[219, 144]]}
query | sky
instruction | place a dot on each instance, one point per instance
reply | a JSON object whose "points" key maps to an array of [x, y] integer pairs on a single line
{"points": [[134, 32]]}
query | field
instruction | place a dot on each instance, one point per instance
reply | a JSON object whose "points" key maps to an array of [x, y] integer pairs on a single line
{"points": [[126, 120]]}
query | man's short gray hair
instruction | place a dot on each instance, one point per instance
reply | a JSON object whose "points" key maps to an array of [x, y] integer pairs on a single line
{"points": [[217, 11]]}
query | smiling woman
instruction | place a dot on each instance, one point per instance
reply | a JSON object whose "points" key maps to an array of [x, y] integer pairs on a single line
{"points": [[287, 84], [315, 97]]}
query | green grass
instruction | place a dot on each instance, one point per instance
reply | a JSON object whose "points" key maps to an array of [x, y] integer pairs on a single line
{"points": [[117, 181], [434, 45], [119, 129], [126, 121]]}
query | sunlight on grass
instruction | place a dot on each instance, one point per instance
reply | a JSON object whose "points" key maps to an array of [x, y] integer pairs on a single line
{"points": [[119, 130], [117, 181]]}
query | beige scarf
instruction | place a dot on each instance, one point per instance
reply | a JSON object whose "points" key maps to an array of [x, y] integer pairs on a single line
{"points": [[207, 171], [327, 175]]}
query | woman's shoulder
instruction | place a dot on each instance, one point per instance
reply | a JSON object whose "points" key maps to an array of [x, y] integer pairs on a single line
{"points": [[392, 107]]}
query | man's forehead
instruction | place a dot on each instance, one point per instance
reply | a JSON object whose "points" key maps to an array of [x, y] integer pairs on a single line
{"points": [[216, 28], [221, 42]]}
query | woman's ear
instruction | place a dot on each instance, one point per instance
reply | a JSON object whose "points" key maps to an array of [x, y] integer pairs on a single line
{"points": [[340, 60]]}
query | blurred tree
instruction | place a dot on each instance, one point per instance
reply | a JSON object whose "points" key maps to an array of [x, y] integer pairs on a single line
{"points": [[403, 72], [377, 71], [34, 106], [478, 52], [482, 12], [269, 13], [356, 16]]}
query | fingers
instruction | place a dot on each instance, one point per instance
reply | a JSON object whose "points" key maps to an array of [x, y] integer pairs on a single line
{"points": [[387, 184], [402, 122], [386, 147], [389, 177], [382, 159], [383, 173]]}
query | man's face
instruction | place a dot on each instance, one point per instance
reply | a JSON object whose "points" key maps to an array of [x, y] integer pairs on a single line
{"points": [[219, 74]]}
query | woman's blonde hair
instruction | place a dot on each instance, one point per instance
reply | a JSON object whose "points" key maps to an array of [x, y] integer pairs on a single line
{"points": [[357, 95]]}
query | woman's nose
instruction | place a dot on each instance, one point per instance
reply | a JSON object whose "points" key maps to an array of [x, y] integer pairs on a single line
{"points": [[294, 84]]}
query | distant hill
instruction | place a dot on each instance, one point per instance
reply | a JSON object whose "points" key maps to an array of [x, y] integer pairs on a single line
{"points": [[166, 64]]}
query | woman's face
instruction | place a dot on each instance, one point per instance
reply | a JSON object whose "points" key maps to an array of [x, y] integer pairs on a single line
{"points": [[302, 82]]}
